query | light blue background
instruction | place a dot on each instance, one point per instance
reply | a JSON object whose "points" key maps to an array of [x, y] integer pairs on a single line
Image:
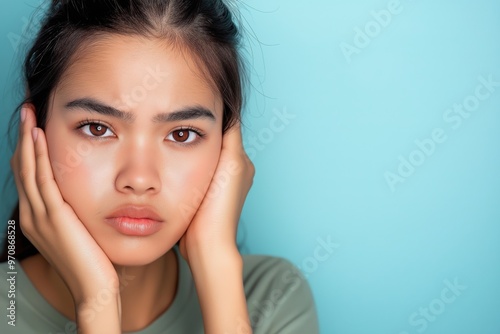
{"points": [[322, 175]]}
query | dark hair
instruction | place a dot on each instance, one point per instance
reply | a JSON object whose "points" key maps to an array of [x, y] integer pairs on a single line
{"points": [[205, 28]]}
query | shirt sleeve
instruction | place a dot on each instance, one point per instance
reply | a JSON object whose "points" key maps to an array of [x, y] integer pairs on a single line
{"points": [[284, 303]]}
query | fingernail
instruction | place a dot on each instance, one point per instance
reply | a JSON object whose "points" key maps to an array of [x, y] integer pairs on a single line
{"points": [[34, 133], [23, 114]]}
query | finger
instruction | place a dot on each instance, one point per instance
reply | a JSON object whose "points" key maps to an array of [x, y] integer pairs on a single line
{"points": [[47, 185], [27, 167], [23, 109], [233, 142], [25, 212], [24, 206], [14, 161], [15, 156], [232, 139]]}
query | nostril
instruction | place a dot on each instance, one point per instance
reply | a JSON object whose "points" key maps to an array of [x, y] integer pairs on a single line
{"points": [[138, 177]]}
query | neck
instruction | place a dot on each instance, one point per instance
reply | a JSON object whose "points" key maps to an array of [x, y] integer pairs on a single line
{"points": [[147, 291]]}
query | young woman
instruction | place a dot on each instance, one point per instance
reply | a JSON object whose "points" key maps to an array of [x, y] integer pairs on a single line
{"points": [[131, 177]]}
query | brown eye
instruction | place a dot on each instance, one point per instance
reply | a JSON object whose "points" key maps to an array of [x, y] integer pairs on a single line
{"points": [[94, 129], [185, 136], [97, 129], [180, 135]]}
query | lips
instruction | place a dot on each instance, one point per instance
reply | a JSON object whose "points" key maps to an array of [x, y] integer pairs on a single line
{"points": [[137, 212], [135, 221]]}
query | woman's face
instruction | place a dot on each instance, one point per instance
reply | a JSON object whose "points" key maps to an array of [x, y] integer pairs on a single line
{"points": [[156, 143]]}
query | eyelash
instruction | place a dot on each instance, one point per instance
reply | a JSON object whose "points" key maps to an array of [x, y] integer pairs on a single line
{"points": [[190, 128]]}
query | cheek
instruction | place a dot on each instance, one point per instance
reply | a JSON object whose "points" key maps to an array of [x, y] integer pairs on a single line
{"points": [[76, 168], [187, 177]]}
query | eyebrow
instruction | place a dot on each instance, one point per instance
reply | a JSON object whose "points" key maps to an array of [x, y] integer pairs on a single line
{"points": [[186, 113]]}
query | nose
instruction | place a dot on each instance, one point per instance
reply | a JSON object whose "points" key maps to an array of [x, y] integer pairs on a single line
{"points": [[138, 172]]}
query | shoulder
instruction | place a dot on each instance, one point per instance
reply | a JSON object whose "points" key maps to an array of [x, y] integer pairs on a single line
{"points": [[271, 271], [278, 295], [25, 308]]}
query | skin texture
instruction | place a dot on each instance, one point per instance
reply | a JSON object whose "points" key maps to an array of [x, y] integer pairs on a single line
{"points": [[69, 182]]}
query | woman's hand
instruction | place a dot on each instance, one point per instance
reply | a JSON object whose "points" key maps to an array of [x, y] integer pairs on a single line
{"points": [[55, 230], [209, 244], [214, 226]]}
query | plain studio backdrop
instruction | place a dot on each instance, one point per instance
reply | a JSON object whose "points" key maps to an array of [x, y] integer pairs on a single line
{"points": [[374, 127]]}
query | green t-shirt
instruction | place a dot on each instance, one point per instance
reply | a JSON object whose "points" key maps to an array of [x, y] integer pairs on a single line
{"points": [[278, 297]]}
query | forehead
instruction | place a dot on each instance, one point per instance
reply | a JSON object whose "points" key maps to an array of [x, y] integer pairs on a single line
{"points": [[138, 73]]}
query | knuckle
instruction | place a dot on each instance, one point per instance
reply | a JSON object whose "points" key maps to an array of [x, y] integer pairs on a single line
{"points": [[248, 164], [27, 231], [25, 222], [239, 166], [39, 154], [31, 223], [42, 180], [24, 174], [251, 169]]}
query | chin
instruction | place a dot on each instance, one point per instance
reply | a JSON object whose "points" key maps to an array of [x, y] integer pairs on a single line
{"points": [[125, 254]]}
